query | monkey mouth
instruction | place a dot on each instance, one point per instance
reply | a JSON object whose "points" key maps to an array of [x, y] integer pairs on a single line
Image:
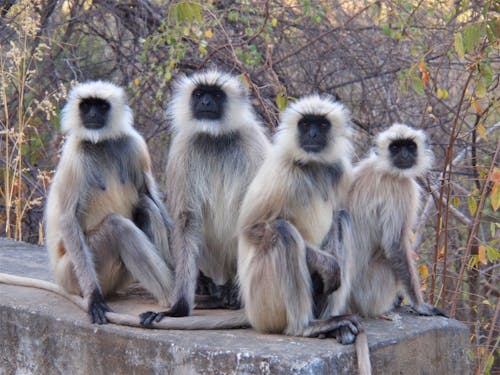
{"points": [[404, 164], [208, 115], [312, 147], [94, 125]]}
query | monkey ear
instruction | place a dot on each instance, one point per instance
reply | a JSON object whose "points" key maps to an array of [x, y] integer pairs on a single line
{"points": [[255, 233]]}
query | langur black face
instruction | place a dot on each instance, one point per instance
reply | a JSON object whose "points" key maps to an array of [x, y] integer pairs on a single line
{"points": [[403, 153], [313, 132], [207, 102], [94, 112]]}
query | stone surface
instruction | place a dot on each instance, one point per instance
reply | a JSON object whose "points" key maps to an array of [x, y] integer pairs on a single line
{"points": [[42, 333]]}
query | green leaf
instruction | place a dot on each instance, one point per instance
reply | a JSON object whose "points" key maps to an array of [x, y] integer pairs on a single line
{"points": [[442, 93], [480, 89], [472, 205], [494, 28], [186, 12], [472, 35], [387, 30], [486, 73], [459, 45], [281, 101], [492, 253], [473, 261], [233, 16], [417, 84]]}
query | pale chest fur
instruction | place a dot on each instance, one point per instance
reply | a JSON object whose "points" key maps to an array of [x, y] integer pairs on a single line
{"points": [[313, 198], [313, 221], [113, 178], [118, 198], [387, 198]]}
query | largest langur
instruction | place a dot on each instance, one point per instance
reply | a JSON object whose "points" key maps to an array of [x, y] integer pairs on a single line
{"points": [[217, 147], [105, 225], [288, 227], [383, 203]]}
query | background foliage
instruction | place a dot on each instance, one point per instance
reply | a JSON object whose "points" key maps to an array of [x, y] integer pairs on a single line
{"points": [[432, 64]]}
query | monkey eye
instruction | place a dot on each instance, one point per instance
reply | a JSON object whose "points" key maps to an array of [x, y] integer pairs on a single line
{"points": [[104, 106], [323, 125], [84, 106], [197, 93], [412, 147], [393, 148], [218, 95]]}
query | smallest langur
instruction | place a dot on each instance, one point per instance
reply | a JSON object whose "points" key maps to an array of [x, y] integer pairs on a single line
{"points": [[383, 202]]}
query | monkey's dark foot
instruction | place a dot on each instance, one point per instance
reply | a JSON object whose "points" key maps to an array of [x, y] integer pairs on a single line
{"points": [[348, 330], [429, 310], [231, 296], [232, 304], [398, 302], [345, 328], [345, 335], [179, 309], [205, 285], [97, 308], [207, 302], [149, 317]]}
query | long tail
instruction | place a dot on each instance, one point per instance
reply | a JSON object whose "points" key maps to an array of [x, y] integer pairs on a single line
{"points": [[363, 354], [226, 320]]}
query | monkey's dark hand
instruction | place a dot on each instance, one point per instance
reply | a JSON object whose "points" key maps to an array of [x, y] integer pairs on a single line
{"points": [[330, 275], [429, 310], [326, 266], [149, 317], [97, 308]]}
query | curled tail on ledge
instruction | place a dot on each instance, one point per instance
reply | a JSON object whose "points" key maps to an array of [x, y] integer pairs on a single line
{"points": [[227, 320]]}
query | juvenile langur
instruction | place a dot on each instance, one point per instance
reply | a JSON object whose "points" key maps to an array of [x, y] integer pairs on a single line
{"points": [[105, 225], [383, 203], [288, 213], [217, 147]]}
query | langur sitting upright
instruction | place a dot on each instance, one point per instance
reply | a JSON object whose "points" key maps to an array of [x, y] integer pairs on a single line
{"points": [[383, 203], [217, 147], [105, 225], [288, 214]]}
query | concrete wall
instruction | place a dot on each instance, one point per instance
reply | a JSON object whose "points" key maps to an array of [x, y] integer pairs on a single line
{"points": [[42, 333]]}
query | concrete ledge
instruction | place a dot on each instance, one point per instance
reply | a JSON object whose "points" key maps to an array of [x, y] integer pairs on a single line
{"points": [[42, 333]]}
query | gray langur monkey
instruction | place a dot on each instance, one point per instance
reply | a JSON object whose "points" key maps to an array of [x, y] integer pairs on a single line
{"points": [[383, 202], [105, 224], [217, 147], [288, 214]]}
